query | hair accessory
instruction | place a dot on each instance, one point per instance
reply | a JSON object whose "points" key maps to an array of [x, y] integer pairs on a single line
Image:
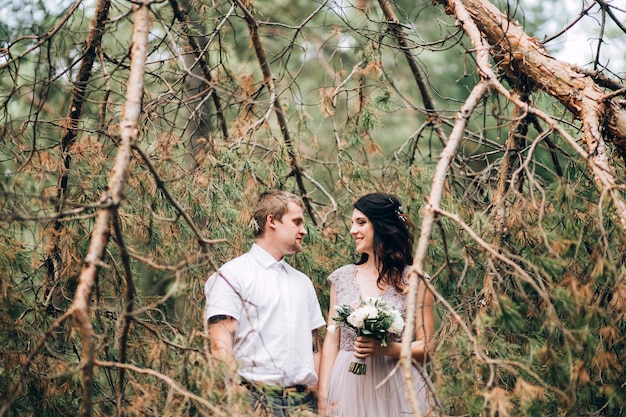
{"points": [[399, 211], [393, 203]]}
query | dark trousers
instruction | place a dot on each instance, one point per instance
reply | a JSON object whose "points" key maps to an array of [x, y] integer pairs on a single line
{"points": [[281, 402]]}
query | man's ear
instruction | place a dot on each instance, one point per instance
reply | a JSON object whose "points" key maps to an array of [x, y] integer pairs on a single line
{"points": [[270, 222]]}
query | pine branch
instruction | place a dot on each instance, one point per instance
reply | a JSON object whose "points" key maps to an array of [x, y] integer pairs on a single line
{"points": [[268, 80], [169, 381], [401, 40], [556, 78], [69, 134], [182, 16]]}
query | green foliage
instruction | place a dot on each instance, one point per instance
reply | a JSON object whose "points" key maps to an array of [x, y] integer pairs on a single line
{"points": [[537, 304]]}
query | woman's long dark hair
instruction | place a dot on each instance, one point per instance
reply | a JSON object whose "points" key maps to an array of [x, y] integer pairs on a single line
{"points": [[393, 237]]}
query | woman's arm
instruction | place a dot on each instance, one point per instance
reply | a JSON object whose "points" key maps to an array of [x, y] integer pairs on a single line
{"points": [[330, 348]]}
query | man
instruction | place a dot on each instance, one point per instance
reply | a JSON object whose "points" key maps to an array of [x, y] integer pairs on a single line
{"points": [[264, 315]]}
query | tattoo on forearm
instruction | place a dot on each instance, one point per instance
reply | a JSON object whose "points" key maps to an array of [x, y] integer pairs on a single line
{"points": [[218, 318], [316, 341], [225, 323]]}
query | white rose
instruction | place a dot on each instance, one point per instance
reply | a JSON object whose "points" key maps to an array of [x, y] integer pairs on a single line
{"points": [[357, 318], [398, 323], [370, 312], [353, 320], [332, 329]]}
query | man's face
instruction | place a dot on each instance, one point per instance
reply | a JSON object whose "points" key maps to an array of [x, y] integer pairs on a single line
{"points": [[290, 229]]}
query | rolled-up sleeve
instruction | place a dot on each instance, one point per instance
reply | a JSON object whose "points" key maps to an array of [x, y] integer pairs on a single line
{"points": [[223, 296]]}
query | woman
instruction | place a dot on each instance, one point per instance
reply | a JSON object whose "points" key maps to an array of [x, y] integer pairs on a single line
{"points": [[383, 236]]}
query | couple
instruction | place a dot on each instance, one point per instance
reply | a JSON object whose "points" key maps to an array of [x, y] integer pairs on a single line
{"points": [[264, 316]]}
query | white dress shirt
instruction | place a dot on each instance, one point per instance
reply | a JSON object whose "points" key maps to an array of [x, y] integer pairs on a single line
{"points": [[277, 308]]}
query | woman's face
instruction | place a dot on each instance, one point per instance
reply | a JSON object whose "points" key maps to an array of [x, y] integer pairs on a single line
{"points": [[362, 231]]}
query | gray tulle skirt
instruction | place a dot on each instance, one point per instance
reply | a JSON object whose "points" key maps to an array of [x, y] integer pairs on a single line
{"points": [[378, 393]]}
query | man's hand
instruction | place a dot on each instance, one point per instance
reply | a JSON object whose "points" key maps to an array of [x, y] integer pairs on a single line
{"points": [[317, 340]]}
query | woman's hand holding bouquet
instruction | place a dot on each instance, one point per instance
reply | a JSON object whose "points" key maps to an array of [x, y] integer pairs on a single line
{"points": [[370, 317]]}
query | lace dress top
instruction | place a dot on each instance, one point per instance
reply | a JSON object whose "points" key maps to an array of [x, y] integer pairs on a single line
{"points": [[348, 292]]}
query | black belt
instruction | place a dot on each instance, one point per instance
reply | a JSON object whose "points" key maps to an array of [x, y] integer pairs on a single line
{"points": [[276, 390]]}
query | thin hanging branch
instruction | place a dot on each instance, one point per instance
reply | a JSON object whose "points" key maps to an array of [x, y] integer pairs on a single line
{"points": [[268, 80], [518, 129], [112, 197], [127, 316], [401, 40], [216, 411], [70, 133], [182, 16]]}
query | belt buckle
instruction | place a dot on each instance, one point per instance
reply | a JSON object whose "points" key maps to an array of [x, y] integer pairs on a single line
{"points": [[276, 390]]}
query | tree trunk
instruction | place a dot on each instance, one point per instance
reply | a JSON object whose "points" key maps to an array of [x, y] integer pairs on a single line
{"points": [[522, 59]]}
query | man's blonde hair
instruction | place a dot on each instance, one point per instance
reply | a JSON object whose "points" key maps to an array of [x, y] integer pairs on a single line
{"points": [[272, 202]]}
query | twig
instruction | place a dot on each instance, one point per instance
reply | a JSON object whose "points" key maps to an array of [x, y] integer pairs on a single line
{"points": [[43, 39], [182, 212], [127, 316]]}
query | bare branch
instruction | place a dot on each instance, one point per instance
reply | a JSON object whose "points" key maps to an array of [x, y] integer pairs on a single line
{"points": [[428, 220], [117, 180]]}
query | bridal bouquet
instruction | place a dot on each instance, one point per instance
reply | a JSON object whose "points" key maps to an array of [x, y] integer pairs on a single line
{"points": [[368, 317]]}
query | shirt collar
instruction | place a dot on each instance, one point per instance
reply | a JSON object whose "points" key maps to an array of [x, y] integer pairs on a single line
{"points": [[265, 259]]}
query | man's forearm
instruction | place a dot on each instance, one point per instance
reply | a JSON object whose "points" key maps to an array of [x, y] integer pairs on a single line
{"points": [[222, 330]]}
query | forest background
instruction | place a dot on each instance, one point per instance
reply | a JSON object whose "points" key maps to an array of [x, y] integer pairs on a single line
{"points": [[135, 136]]}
